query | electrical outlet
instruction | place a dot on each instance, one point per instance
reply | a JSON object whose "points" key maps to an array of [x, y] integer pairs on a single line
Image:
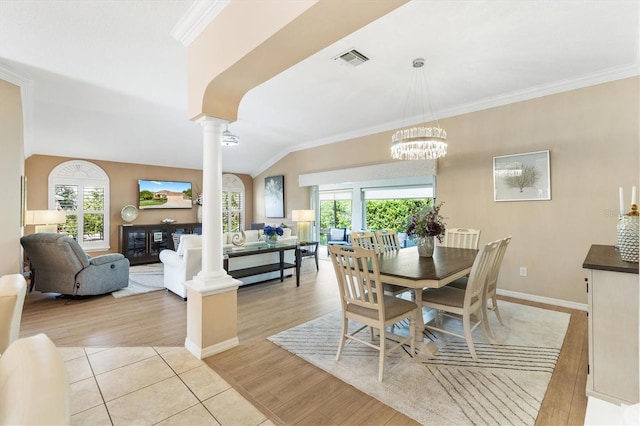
{"points": [[523, 271]]}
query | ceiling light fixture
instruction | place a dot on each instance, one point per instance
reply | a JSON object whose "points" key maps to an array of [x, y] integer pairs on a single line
{"points": [[228, 138], [419, 143]]}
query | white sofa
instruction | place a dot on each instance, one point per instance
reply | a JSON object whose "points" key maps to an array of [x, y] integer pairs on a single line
{"points": [[183, 264]]}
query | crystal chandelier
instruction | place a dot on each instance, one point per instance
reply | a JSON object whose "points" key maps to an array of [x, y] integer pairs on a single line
{"points": [[228, 138], [419, 143]]}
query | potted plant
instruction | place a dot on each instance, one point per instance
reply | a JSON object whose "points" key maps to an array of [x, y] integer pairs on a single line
{"points": [[424, 226], [272, 233]]}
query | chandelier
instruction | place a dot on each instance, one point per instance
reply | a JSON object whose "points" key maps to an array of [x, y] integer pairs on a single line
{"points": [[228, 138], [419, 143]]}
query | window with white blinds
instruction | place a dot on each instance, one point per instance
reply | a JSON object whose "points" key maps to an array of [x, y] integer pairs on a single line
{"points": [[232, 203], [81, 189]]}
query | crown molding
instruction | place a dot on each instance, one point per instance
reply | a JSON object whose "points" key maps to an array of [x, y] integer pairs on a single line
{"points": [[605, 76], [197, 18]]}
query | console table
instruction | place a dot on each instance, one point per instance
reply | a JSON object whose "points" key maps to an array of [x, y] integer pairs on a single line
{"points": [[280, 248], [612, 287]]}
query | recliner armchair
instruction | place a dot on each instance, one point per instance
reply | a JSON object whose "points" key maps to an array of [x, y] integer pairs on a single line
{"points": [[62, 266]]}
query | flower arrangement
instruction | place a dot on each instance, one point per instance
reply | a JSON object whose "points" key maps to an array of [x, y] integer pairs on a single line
{"points": [[198, 200], [427, 223], [273, 230]]}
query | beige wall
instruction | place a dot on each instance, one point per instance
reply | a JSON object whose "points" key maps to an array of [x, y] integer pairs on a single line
{"points": [[592, 135], [11, 172], [124, 190]]}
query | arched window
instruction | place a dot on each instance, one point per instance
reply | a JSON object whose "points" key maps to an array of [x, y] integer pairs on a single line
{"points": [[81, 189], [232, 203]]}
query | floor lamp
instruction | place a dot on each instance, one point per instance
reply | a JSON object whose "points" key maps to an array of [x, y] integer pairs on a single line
{"points": [[304, 219], [45, 220]]}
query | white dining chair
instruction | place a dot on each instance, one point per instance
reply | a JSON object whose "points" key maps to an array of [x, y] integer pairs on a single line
{"points": [[461, 238], [388, 241], [491, 287], [365, 239], [358, 274], [461, 304]]}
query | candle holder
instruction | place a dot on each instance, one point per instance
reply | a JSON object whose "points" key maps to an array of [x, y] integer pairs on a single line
{"points": [[628, 235]]}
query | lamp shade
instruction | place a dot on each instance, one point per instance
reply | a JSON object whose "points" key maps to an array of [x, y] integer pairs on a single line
{"points": [[45, 217], [303, 215]]}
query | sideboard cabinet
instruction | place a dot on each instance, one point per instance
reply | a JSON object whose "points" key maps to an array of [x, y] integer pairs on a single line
{"points": [[612, 287], [143, 243]]}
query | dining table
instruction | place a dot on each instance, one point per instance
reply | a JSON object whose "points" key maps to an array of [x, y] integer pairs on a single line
{"points": [[406, 268]]}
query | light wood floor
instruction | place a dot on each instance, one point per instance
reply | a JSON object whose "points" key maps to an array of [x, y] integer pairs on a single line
{"points": [[284, 387]]}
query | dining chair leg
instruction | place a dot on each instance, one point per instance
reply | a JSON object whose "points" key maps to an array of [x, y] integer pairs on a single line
{"points": [[383, 347], [487, 330], [343, 337], [466, 321], [412, 330], [494, 307]]}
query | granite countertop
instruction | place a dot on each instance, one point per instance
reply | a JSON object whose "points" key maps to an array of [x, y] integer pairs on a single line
{"points": [[607, 258]]}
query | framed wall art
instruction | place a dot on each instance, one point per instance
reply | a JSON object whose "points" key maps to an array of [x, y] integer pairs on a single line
{"points": [[522, 177], [274, 196]]}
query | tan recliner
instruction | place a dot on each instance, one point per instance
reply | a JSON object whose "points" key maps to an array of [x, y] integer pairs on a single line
{"points": [[34, 385], [12, 291]]}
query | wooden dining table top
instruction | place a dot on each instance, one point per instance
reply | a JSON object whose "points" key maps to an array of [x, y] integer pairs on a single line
{"points": [[404, 267]]}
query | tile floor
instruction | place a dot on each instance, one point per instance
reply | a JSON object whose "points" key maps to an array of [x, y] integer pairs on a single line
{"points": [[151, 385]]}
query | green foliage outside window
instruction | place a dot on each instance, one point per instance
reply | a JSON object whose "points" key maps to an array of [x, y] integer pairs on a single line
{"points": [[392, 214]]}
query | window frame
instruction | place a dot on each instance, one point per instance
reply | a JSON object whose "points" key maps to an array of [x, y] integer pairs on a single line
{"points": [[83, 174], [230, 184]]}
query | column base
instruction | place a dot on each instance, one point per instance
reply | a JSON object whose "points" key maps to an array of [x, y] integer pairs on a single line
{"points": [[202, 353], [212, 315]]}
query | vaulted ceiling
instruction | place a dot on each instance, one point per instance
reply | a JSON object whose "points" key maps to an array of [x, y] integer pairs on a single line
{"points": [[104, 79]]}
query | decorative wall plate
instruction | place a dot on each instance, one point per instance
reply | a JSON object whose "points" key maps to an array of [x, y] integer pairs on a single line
{"points": [[129, 213]]}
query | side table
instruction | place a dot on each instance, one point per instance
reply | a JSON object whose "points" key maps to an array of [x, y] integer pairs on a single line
{"points": [[309, 249]]}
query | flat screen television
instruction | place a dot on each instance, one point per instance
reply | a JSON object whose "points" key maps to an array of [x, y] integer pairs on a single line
{"points": [[164, 194]]}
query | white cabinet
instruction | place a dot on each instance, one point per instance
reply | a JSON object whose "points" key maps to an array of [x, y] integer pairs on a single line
{"points": [[613, 326]]}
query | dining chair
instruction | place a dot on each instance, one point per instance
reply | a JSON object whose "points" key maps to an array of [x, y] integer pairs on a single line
{"points": [[491, 286], [388, 240], [461, 304], [365, 239], [461, 238], [358, 273]]}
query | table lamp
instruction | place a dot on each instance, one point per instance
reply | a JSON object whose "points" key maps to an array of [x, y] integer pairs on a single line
{"points": [[45, 220], [304, 219]]}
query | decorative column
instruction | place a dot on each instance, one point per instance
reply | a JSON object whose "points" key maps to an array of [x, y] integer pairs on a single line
{"points": [[212, 314]]}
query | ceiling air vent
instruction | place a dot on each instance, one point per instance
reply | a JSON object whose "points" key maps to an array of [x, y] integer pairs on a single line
{"points": [[352, 57]]}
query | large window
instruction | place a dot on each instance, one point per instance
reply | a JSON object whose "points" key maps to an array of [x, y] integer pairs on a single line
{"points": [[335, 210], [81, 189], [232, 203], [390, 207]]}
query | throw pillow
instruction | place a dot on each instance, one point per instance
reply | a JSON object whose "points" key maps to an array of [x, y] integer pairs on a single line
{"points": [[337, 234]]}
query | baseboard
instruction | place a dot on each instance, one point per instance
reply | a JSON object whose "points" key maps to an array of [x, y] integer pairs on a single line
{"points": [[202, 353], [541, 299]]}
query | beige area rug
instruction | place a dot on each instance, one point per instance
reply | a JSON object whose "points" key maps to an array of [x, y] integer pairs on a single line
{"points": [[505, 386], [143, 279]]}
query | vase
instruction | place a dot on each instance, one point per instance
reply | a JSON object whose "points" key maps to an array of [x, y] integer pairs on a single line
{"points": [[271, 240], [199, 214], [628, 241], [425, 246]]}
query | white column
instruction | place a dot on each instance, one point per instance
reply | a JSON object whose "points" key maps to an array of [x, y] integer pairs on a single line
{"points": [[212, 294], [212, 272]]}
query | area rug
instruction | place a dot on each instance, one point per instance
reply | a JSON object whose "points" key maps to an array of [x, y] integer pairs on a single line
{"points": [[142, 279], [505, 386]]}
